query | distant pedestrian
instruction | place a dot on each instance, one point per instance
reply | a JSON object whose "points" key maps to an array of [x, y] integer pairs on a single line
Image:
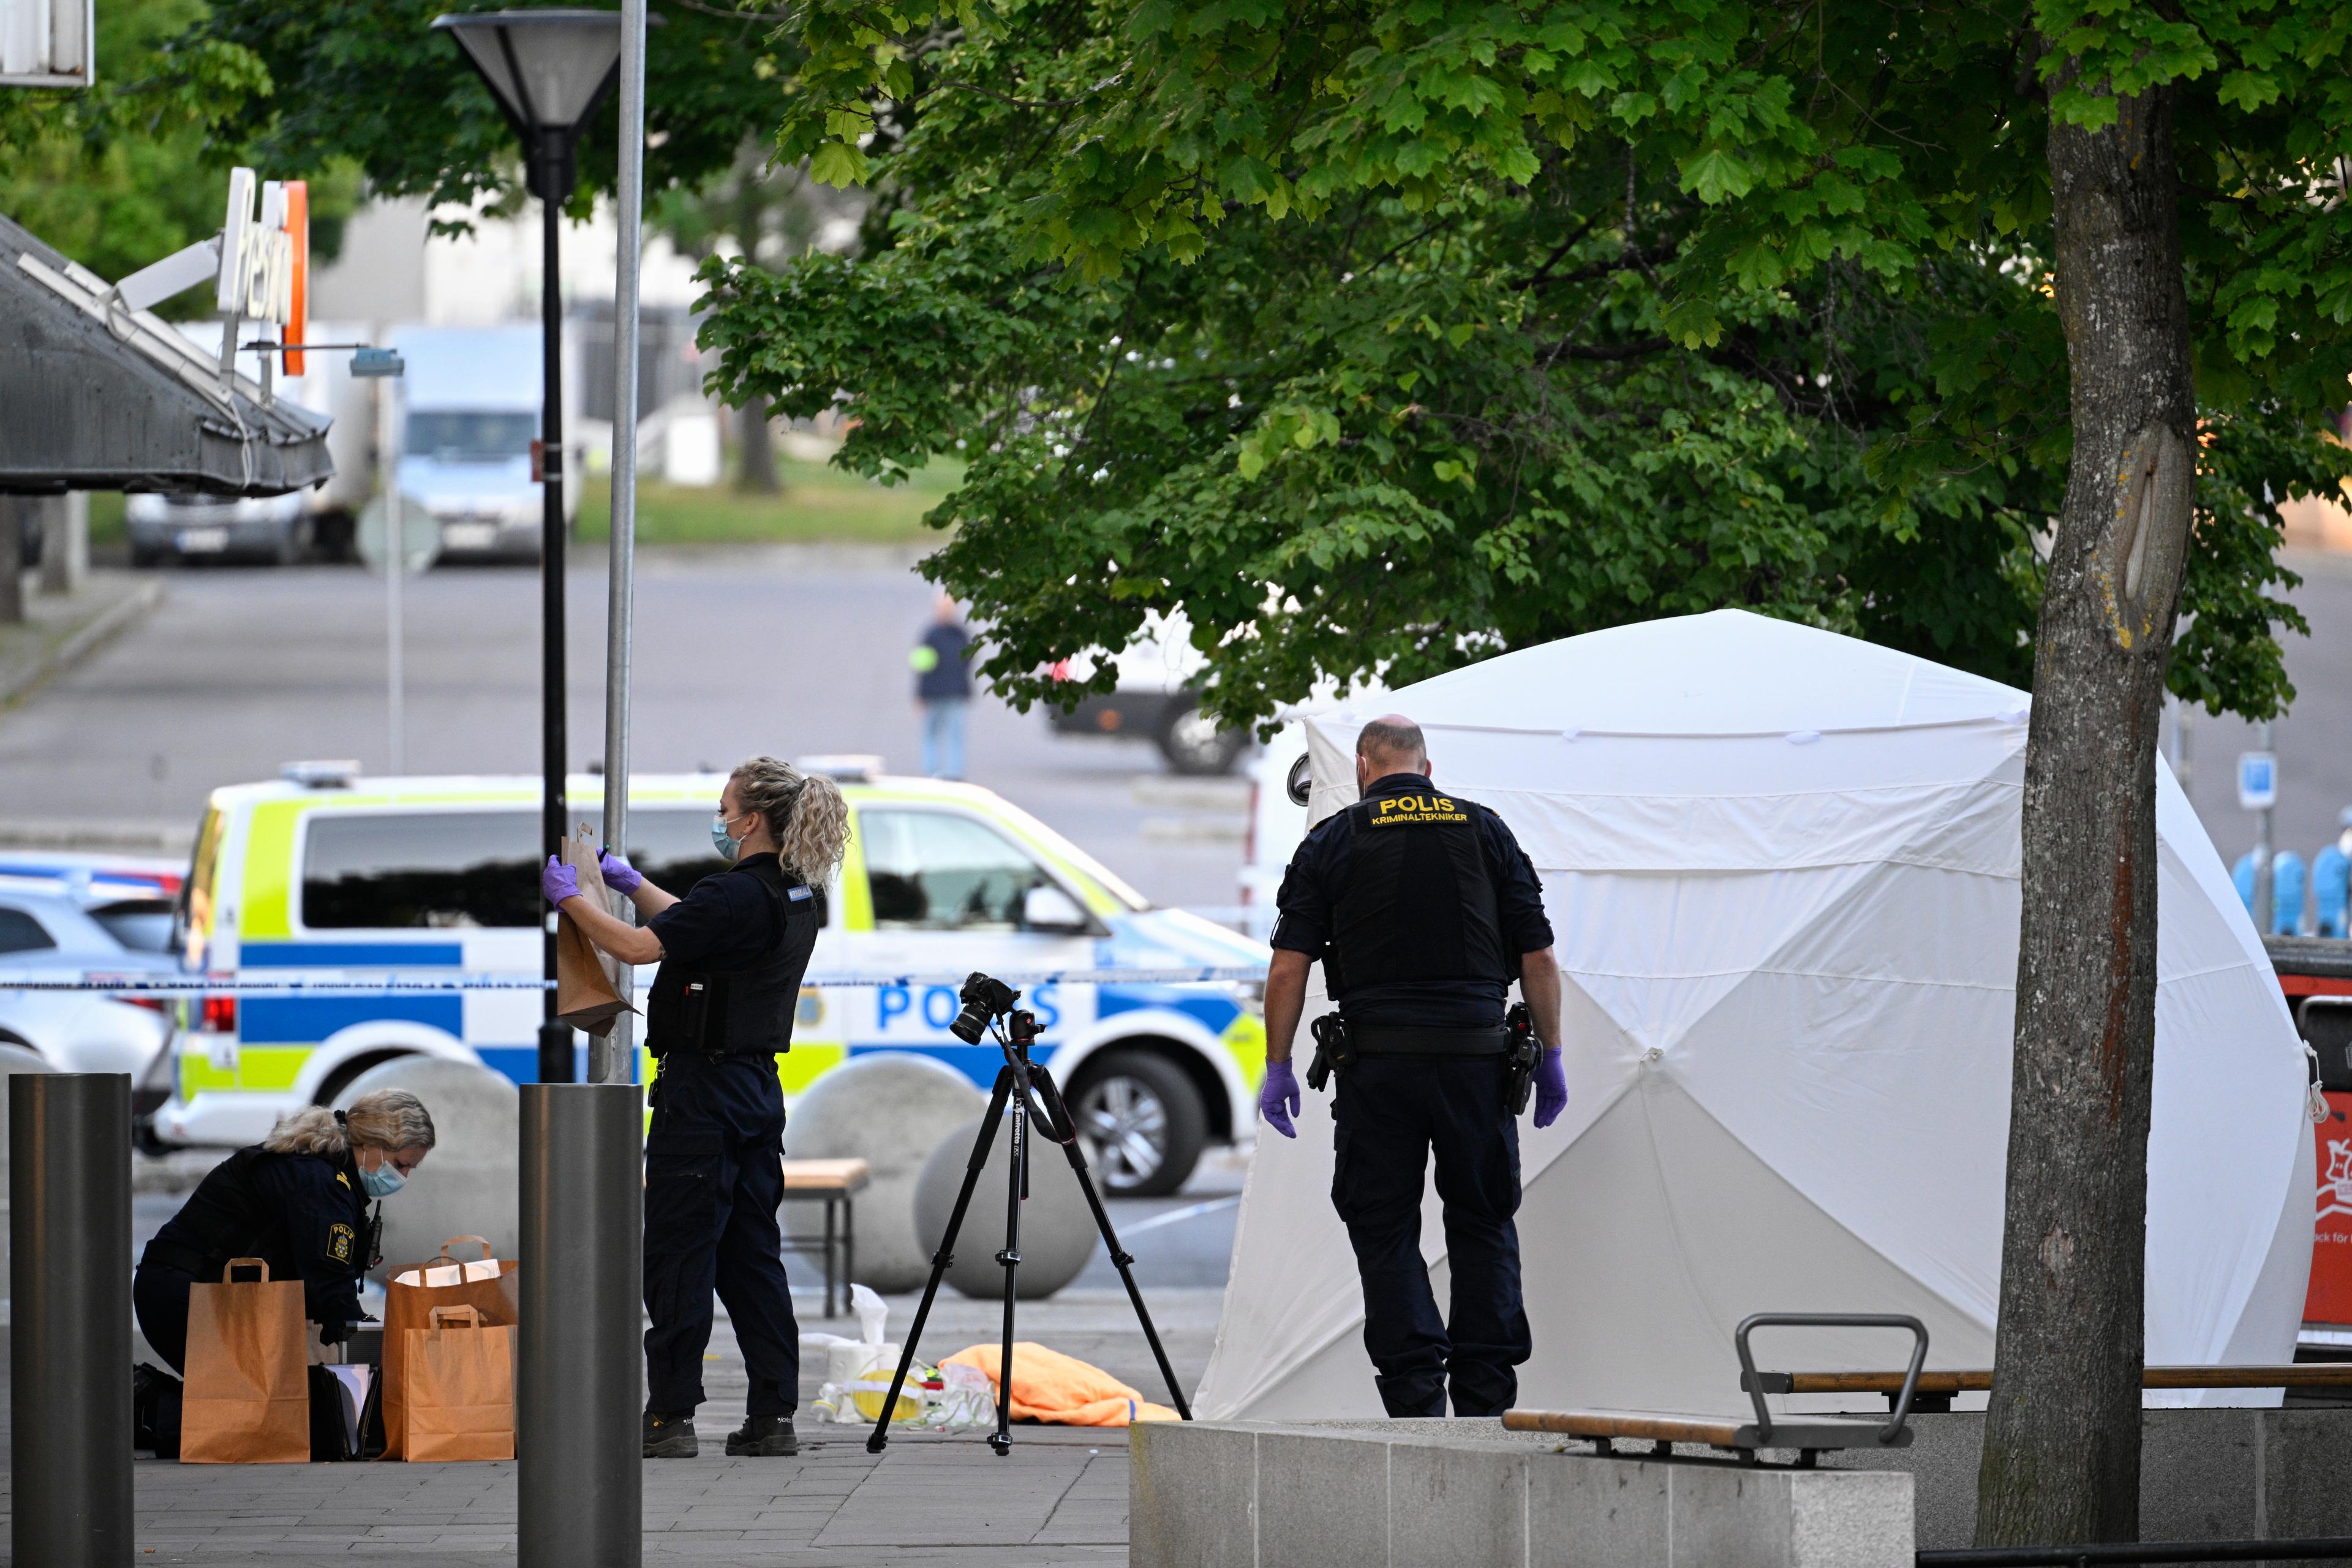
{"points": [[942, 689]]}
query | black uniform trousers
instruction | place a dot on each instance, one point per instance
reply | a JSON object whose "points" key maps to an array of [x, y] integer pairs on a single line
{"points": [[714, 1179], [158, 1298], [1391, 1112]]}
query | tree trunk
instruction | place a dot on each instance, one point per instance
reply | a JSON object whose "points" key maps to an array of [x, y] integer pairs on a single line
{"points": [[756, 476], [2060, 1462]]}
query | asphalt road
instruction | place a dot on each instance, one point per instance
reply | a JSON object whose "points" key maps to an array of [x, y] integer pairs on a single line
{"points": [[788, 652]]}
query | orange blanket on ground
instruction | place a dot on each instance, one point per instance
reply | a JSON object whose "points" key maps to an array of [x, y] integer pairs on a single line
{"points": [[1050, 1387]]}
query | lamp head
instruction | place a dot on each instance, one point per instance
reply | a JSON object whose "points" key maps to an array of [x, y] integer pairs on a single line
{"points": [[549, 70]]}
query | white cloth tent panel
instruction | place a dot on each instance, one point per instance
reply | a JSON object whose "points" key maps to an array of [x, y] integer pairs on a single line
{"points": [[1782, 871]]}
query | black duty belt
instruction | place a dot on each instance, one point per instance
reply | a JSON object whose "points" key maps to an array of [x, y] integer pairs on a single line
{"points": [[1394, 1040], [186, 1259]]}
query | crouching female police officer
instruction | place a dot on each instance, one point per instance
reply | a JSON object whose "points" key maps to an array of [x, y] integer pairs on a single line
{"points": [[733, 953], [298, 1201]]}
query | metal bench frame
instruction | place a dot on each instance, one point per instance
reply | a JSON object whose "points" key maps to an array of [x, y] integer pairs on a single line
{"points": [[1810, 1435]]}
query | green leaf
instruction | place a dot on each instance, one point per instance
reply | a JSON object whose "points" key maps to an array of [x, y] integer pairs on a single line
{"points": [[839, 165], [1717, 175]]}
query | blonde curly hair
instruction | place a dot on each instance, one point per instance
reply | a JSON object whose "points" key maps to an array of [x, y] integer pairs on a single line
{"points": [[386, 1118], [804, 812]]}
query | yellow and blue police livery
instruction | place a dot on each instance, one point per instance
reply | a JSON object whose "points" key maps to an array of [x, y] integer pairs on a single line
{"points": [[413, 878]]}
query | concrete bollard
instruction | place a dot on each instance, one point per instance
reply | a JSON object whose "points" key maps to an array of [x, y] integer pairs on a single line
{"points": [[467, 1187], [889, 1109], [69, 1353], [1057, 1229]]}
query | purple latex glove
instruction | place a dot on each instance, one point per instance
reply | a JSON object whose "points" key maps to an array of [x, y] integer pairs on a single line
{"points": [[1278, 1098], [619, 875], [1551, 1089], [558, 881]]}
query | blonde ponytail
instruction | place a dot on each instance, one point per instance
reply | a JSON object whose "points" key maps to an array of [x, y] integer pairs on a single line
{"points": [[805, 813], [386, 1118]]}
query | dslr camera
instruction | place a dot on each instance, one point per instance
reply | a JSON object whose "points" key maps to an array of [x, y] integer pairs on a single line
{"points": [[985, 999]]}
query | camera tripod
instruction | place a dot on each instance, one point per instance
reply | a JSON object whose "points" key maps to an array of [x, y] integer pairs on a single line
{"points": [[1015, 1080]]}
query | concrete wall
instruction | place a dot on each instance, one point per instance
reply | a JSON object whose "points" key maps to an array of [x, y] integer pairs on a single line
{"points": [[2205, 1475], [1405, 1493]]}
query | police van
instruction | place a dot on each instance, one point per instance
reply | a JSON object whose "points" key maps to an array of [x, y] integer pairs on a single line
{"points": [[410, 879]]}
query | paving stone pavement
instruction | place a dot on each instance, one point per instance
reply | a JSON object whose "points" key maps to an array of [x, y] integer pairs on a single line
{"points": [[932, 1500], [1060, 1499]]}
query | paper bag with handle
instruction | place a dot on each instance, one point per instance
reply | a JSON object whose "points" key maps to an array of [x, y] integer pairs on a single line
{"points": [[587, 979], [460, 1388], [247, 1400], [486, 1284]]}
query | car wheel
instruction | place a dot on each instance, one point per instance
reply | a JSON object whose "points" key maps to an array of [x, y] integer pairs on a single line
{"points": [[1142, 1121], [1196, 746], [145, 555]]}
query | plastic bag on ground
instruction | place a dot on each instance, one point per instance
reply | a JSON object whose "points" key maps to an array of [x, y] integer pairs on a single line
{"points": [[1050, 1387]]}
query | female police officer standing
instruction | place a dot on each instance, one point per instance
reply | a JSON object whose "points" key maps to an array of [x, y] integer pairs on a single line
{"points": [[298, 1201], [733, 953]]}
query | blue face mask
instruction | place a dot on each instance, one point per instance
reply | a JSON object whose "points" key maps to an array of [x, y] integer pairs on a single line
{"points": [[383, 1180], [728, 846]]}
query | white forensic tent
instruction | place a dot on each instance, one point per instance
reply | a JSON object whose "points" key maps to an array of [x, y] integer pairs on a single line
{"points": [[1782, 871]]}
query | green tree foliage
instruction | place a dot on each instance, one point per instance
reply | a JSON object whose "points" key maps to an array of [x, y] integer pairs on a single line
{"points": [[1383, 336], [369, 81], [125, 173]]}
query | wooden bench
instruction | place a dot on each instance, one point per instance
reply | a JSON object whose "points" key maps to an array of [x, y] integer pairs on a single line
{"points": [[1935, 1389], [831, 1182], [1808, 1436]]}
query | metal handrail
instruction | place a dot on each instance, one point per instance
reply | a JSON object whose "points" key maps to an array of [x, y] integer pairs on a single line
{"points": [[1755, 1385]]}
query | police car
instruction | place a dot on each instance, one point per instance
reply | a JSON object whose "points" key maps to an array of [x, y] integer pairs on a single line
{"points": [[414, 877]]}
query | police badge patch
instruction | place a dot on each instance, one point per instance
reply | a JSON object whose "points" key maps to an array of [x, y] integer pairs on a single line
{"points": [[340, 1241]]}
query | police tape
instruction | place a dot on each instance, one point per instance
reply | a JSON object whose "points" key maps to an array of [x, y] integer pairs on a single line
{"points": [[370, 982]]}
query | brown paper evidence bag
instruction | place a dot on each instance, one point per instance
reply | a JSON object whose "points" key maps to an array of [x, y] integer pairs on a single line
{"points": [[248, 1398], [412, 1295], [587, 979], [460, 1403]]}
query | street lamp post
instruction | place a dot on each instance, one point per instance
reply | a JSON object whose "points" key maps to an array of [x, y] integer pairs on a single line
{"points": [[550, 71], [579, 1487]]}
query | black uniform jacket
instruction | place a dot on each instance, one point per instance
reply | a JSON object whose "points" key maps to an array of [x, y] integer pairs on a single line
{"points": [[304, 1214], [1319, 874]]}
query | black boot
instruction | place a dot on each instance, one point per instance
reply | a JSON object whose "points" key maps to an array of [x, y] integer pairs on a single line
{"points": [[155, 1397], [763, 1436], [143, 1408], [670, 1437]]}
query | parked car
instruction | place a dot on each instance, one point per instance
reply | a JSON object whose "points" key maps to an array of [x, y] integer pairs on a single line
{"points": [[171, 525], [424, 876], [93, 878], [1157, 698], [281, 529], [50, 934]]}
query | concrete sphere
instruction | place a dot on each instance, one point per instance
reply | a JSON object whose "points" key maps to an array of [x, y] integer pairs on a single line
{"points": [[1057, 1229], [890, 1108], [466, 1186]]}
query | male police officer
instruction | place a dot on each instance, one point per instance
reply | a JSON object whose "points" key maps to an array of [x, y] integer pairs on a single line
{"points": [[1422, 908]]}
